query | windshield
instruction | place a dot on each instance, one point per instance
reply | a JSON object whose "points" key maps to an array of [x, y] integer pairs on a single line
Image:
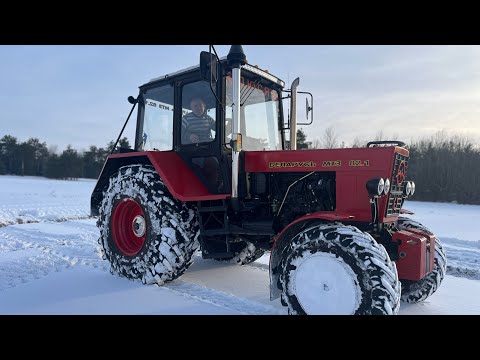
{"points": [[259, 113]]}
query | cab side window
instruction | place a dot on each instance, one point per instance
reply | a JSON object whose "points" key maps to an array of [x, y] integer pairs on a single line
{"points": [[198, 113], [158, 119]]}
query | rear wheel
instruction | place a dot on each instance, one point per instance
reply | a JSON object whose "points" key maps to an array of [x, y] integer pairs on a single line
{"points": [[417, 291], [145, 234], [337, 269]]}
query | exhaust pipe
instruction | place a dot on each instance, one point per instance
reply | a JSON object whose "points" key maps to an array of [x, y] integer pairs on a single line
{"points": [[236, 58], [293, 114]]}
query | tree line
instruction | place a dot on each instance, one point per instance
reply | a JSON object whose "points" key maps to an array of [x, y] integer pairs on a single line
{"points": [[445, 168], [34, 158]]}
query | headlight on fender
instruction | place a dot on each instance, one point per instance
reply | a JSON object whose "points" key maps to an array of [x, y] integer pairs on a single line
{"points": [[375, 187], [408, 188], [386, 186]]}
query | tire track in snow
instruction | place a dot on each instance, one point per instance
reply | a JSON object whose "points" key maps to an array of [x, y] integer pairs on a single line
{"points": [[223, 299], [27, 255], [31, 220], [87, 233], [463, 257], [37, 254], [81, 244], [29, 265], [11, 214]]}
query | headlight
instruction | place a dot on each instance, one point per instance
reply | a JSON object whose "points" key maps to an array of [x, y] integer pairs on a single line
{"points": [[413, 188], [386, 186], [408, 188], [375, 187]]}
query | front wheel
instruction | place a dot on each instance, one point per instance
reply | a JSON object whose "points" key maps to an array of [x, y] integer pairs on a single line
{"points": [[337, 269], [417, 291]]}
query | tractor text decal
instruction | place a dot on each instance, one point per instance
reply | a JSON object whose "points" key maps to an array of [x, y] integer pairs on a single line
{"points": [[252, 84], [359, 163], [330, 163], [284, 164]]}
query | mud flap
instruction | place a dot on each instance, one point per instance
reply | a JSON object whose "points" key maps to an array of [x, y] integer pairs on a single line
{"points": [[275, 292]]}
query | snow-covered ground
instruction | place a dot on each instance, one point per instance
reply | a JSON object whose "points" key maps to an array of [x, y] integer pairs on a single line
{"points": [[49, 262]]}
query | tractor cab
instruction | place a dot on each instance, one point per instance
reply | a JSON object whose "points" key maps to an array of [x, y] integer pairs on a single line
{"points": [[203, 137]]}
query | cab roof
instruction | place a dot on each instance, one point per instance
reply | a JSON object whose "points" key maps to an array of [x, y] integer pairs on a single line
{"points": [[252, 69]]}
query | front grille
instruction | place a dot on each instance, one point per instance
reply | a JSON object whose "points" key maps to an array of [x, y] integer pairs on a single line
{"points": [[395, 197]]}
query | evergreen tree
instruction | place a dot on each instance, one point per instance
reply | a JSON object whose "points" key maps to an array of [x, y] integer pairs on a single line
{"points": [[93, 160], [302, 143], [53, 167], [34, 155], [10, 155], [123, 142], [71, 163]]}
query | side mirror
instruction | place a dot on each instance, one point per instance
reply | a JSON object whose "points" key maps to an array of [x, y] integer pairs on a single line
{"points": [[209, 67], [308, 108], [132, 100]]}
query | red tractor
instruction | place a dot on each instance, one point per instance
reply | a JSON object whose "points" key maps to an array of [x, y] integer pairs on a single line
{"points": [[235, 187]]}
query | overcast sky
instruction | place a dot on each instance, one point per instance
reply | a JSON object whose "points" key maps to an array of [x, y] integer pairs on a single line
{"points": [[77, 95]]}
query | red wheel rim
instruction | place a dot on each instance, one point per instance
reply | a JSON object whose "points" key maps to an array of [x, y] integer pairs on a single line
{"points": [[128, 226]]}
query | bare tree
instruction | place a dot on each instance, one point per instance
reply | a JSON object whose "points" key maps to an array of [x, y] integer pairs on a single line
{"points": [[316, 144], [357, 143], [379, 135], [330, 138]]}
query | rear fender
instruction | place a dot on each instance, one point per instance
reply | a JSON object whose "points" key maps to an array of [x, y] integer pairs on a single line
{"points": [[283, 238], [110, 167], [179, 179]]}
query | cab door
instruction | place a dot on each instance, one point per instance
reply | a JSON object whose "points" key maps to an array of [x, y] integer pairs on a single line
{"points": [[198, 144]]}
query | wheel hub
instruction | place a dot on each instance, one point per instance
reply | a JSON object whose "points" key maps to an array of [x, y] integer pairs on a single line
{"points": [[128, 227], [325, 284], [138, 226]]}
